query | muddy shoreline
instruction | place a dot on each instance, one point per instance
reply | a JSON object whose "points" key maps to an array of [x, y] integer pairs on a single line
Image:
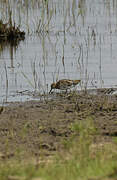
{"points": [[40, 127]]}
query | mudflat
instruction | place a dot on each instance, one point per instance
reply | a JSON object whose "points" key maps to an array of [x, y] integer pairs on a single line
{"points": [[36, 127]]}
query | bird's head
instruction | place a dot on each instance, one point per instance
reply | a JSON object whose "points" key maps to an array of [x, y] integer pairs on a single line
{"points": [[53, 86]]}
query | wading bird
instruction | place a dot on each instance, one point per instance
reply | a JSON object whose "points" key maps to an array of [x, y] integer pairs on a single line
{"points": [[64, 84]]}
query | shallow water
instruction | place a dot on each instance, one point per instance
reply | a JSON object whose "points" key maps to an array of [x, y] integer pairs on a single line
{"points": [[79, 42]]}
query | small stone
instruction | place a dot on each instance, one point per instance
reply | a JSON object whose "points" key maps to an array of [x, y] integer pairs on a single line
{"points": [[15, 178]]}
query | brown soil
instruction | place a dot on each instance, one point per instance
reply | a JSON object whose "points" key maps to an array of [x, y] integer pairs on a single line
{"points": [[32, 128]]}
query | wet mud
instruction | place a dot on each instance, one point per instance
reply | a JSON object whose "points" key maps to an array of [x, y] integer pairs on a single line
{"points": [[40, 127]]}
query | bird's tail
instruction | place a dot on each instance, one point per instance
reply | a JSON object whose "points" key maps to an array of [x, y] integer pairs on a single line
{"points": [[76, 82]]}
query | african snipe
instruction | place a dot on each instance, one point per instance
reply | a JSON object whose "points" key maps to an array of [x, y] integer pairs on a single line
{"points": [[64, 84]]}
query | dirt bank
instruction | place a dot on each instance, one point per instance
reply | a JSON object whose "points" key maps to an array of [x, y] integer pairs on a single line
{"points": [[32, 128]]}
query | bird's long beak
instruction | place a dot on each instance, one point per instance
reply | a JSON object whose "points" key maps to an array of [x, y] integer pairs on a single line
{"points": [[50, 90]]}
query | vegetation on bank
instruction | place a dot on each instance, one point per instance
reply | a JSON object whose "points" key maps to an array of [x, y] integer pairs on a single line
{"points": [[81, 158], [10, 33]]}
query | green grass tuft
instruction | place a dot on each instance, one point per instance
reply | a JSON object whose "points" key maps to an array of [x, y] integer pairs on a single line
{"points": [[80, 159]]}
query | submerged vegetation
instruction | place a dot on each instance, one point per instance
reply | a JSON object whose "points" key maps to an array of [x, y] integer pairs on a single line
{"points": [[59, 28]]}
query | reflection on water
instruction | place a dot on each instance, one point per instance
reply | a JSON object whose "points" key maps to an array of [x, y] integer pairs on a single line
{"points": [[65, 39]]}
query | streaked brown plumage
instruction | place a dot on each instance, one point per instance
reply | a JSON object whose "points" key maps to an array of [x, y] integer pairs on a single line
{"points": [[64, 84]]}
